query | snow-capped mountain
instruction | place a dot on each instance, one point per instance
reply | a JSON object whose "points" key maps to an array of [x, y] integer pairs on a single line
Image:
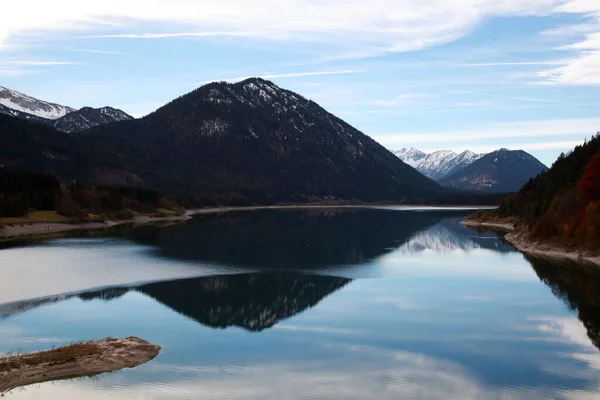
{"points": [[18, 102], [411, 156], [437, 165], [87, 117], [500, 171]]}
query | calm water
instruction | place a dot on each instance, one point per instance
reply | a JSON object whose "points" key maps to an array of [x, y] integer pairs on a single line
{"points": [[348, 304]]}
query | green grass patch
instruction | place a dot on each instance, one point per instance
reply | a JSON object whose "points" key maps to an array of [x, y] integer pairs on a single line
{"points": [[166, 211], [36, 217]]}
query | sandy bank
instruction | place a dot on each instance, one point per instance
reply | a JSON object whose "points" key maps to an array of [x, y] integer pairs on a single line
{"points": [[523, 241], [78, 360], [506, 227]]}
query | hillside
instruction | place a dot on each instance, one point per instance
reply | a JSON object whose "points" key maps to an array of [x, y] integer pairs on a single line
{"points": [[560, 208], [259, 143], [502, 171], [27, 105], [88, 117], [31, 146], [437, 165], [244, 143]]}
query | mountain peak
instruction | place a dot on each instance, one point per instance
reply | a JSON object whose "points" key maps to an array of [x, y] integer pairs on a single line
{"points": [[436, 165], [500, 171], [88, 117]]}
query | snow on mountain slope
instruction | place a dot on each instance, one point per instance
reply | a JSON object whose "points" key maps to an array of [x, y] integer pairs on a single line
{"points": [[437, 165], [29, 105], [410, 156], [87, 117], [502, 171]]}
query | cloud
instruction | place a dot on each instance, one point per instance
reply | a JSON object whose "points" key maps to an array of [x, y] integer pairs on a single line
{"points": [[533, 99], [584, 67], [354, 26], [402, 99], [94, 51], [287, 75], [39, 63], [520, 129]]}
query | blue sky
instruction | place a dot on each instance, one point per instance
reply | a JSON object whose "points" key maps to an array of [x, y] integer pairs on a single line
{"points": [[431, 74]]}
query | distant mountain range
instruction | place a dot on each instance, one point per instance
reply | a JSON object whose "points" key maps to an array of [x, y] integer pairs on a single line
{"points": [[437, 165], [500, 171], [250, 141], [60, 117], [23, 103], [243, 143], [87, 117]]}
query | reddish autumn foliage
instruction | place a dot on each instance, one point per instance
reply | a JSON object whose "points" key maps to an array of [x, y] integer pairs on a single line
{"points": [[589, 184]]}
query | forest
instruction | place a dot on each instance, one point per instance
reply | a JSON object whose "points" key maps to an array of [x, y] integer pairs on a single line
{"points": [[22, 192], [564, 202]]}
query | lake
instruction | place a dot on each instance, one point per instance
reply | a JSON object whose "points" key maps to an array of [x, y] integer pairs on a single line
{"points": [[373, 303]]}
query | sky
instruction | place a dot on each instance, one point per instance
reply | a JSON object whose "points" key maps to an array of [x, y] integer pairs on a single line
{"points": [[430, 74]]}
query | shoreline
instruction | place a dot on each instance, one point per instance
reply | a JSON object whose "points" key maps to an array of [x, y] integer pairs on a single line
{"points": [[505, 227], [522, 241], [42, 229], [74, 361]]}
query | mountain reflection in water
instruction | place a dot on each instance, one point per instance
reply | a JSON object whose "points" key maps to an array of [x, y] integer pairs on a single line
{"points": [[310, 239], [254, 301]]}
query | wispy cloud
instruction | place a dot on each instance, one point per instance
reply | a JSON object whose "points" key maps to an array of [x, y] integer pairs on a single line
{"points": [[510, 64], [533, 99], [40, 63], [288, 75], [522, 129], [402, 99], [358, 28], [169, 35], [94, 51]]}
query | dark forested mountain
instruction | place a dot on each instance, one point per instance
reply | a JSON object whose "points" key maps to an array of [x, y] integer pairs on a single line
{"points": [[26, 105], [88, 117], [254, 301], [257, 141], [249, 142], [30, 146], [500, 171]]}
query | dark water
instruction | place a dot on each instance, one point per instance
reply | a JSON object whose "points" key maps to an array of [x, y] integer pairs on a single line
{"points": [[309, 304]]}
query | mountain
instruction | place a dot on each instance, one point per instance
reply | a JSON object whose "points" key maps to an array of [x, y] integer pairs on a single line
{"points": [[244, 143], [30, 146], [500, 171], [259, 143], [255, 301], [411, 156], [87, 117], [252, 301], [25, 105], [437, 165], [22, 115]]}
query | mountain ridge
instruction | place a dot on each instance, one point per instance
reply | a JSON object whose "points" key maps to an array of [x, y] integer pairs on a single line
{"points": [[23, 103], [439, 164], [502, 170], [249, 142]]}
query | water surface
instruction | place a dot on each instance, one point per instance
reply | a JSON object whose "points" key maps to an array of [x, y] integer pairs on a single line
{"points": [[309, 304]]}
